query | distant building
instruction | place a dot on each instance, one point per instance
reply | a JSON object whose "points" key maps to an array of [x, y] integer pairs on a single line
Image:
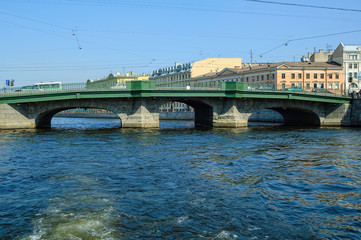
{"points": [[115, 81], [181, 74], [280, 76], [350, 57], [320, 56]]}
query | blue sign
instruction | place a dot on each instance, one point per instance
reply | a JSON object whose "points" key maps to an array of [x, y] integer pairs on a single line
{"points": [[7, 83]]}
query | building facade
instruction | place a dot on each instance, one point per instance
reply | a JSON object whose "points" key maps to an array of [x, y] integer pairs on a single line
{"points": [[350, 57], [308, 76]]}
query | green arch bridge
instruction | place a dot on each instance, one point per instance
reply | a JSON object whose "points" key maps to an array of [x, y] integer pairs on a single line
{"points": [[138, 105]]}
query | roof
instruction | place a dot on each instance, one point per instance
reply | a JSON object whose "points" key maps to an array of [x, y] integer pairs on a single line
{"points": [[354, 48], [288, 65]]}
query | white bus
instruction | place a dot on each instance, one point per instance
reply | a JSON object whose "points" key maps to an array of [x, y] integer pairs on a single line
{"points": [[44, 86]]}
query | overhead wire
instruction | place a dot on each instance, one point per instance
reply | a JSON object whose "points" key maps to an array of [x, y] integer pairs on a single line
{"points": [[305, 5], [75, 35], [307, 38], [104, 3]]}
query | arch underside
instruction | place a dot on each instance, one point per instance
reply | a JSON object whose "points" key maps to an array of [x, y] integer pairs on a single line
{"points": [[298, 116], [44, 119], [203, 113]]}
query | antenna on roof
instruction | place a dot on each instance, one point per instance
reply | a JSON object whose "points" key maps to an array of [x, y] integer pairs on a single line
{"points": [[251, 56]]}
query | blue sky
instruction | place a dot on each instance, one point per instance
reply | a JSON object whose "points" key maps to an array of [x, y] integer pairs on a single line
{"points": [[38, 44]]}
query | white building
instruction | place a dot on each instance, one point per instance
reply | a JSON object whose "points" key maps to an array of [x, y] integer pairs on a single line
{"points": [[350, 57]]}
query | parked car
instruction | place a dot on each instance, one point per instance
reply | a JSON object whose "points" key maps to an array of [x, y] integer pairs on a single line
{"points": [[265, 88], [295, 89], [320, 90]]}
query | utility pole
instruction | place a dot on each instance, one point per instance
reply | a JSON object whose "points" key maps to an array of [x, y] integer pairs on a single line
{"points": [[251, 56]]}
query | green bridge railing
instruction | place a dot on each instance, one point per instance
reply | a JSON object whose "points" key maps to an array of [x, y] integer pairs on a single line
{"points": [[148, 86]]}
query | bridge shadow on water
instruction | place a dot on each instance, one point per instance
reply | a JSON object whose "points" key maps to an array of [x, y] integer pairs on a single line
{"points": [[68, 123]]}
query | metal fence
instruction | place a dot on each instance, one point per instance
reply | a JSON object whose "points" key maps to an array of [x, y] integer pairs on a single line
{"points": [[65, 87]]}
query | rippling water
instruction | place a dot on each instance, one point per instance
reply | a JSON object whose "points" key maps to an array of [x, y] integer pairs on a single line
{"points": [[88, 179]]}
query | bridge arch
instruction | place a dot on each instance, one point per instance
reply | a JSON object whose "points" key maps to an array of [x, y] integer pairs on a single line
{"points": [[293, 112], [203, 112], [43, 112], [236, 112], [298, 116], [44, 119]]}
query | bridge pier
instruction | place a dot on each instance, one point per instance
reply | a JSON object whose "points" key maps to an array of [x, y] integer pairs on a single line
{"points": [[227, 115], [144, 114], [14, 116], [337, 115]]}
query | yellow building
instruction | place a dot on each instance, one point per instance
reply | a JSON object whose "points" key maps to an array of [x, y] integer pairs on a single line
{"points": [[181, 74], [309, 76], [115, 81]]}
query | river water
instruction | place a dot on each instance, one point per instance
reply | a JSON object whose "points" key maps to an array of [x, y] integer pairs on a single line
{"points": [[89, 179]]}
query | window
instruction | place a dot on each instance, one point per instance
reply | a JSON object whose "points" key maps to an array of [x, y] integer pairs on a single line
{"points": [[350, 66], [308, 86], [273, 76], [355, 66], [299, 85], [299, 76], [283, 75], [315, 85], [322, 85], [307, 76], [330, 85], [246, 79], [355, 74], [292, 84], [293, 76], [262, 77], [322, 76], [267, 77], [253, 79], [330, 76], [257, 78], [283, 85], [337, 76], [315, 76], [337, 86], [353, 57]]}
